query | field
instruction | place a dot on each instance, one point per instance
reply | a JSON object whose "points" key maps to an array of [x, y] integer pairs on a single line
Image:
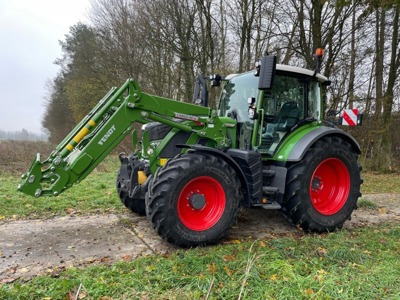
{"points": [[356, 263]]}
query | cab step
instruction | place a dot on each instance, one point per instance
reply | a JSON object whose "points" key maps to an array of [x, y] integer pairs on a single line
{"points": [[270, 190], [272, 205]]}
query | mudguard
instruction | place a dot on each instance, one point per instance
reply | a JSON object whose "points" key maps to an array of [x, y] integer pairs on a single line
{"points": [[298, 151], [247, 165]]}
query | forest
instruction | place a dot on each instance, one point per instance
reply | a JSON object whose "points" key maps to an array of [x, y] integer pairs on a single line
{"points": [[165, 44], [22, 135]]}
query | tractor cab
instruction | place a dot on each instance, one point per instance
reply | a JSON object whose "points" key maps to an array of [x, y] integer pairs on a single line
{"points": [[266, 116]]}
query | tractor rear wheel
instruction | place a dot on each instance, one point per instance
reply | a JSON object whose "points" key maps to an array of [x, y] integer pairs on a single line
{"points": [[193, 200], [323, 188]]}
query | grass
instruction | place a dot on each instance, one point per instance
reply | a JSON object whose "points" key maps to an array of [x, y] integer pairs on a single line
{"points": [[367, 204], [377, 183], [353, 264], [359, 264], [97, 194]]}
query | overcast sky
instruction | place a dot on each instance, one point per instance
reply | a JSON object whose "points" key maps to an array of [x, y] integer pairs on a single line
{"points": [[29, 35]]}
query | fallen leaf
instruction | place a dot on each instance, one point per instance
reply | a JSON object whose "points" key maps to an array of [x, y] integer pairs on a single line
{"points": [[82, 295], [24, 270], [69, 210], [321, 251], [383, 210], [212, 268], [126, 257], [309, 292], [227, 271], [227, 258]]}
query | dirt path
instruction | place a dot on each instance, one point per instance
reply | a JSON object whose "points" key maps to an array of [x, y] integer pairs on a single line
{"points": [[32, 247]]}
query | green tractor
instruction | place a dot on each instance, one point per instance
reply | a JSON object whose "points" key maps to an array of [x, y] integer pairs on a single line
{"points": [[267, 146]]}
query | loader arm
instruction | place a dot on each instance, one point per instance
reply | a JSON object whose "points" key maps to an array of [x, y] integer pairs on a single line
{"points": [[106, 126]]}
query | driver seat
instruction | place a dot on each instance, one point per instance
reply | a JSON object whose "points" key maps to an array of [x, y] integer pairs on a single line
{"points": [[288, 116]]}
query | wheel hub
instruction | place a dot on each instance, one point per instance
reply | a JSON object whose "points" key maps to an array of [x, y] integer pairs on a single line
{"points": [[316, 183], [329, 186], [201, 203], [197, 201]]}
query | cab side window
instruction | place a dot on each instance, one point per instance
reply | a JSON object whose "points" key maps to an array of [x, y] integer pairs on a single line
{"points": [[283, 108]]}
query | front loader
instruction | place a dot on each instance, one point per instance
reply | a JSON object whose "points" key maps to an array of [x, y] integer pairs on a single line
{"points": [[267, 146]]}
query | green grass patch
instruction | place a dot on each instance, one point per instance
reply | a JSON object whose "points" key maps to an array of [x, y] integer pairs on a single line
{"points": [[367, 204], [95, 194], [359, 264], [377, 183]]}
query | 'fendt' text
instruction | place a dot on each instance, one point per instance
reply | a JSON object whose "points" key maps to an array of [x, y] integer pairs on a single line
{"points": [[107, 135]]}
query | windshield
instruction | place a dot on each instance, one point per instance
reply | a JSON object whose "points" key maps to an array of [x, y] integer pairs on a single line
{"points": [[234, 97]]}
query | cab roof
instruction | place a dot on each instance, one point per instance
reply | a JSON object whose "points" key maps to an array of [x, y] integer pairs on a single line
{"points": [[290, 69], [301, 71]]}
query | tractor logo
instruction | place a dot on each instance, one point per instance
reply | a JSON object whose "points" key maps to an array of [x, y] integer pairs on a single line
{"points": [[107, 135]]}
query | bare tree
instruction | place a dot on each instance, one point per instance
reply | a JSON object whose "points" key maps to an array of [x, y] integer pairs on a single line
{"points": [[387, 34]]}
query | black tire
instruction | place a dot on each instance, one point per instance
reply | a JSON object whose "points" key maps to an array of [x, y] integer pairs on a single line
{"points": [[322, 189], [193, 200], [136, 205]]}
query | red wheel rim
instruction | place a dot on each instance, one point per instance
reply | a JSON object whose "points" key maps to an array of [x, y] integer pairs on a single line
{"points": [[330, 186], [201, 203]]}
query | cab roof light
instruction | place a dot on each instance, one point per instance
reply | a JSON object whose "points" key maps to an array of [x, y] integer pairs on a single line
{"points": [[319, 52]]}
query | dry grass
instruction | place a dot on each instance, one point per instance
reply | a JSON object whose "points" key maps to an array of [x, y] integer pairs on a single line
{"points": [[17, 156]]}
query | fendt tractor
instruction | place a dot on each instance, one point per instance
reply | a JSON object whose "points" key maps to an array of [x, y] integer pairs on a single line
{"points": [[267, 146]]}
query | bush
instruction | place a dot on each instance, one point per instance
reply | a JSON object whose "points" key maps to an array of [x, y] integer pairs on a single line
{"points": [[17, 156]]}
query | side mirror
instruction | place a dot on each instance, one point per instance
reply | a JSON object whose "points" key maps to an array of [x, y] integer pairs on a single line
{"points": [[200, 94], [215, 79], [266, 72]]}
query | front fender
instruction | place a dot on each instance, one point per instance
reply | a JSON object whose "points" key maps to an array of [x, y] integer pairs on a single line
{"points": [[249, 194]]}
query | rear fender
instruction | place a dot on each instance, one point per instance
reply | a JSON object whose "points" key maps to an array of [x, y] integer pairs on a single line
{"points": [[300, 148]]}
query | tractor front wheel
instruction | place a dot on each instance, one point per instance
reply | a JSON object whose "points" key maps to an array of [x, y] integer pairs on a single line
{"points": [[322, 189], [193, 200], [135, 204]]}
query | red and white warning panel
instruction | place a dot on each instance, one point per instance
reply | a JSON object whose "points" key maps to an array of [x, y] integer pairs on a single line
{"points": [[351, 117]]}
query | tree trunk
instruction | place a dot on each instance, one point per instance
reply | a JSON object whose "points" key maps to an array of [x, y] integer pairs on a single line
{"points": [[386, 143], [352, 58]]}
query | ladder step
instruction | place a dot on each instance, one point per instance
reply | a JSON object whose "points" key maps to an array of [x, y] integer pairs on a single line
{"points": [[268, 173], [272, 205], [270, 190]]}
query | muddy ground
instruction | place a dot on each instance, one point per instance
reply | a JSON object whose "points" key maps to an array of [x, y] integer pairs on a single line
{"points": [[33, 247]]}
